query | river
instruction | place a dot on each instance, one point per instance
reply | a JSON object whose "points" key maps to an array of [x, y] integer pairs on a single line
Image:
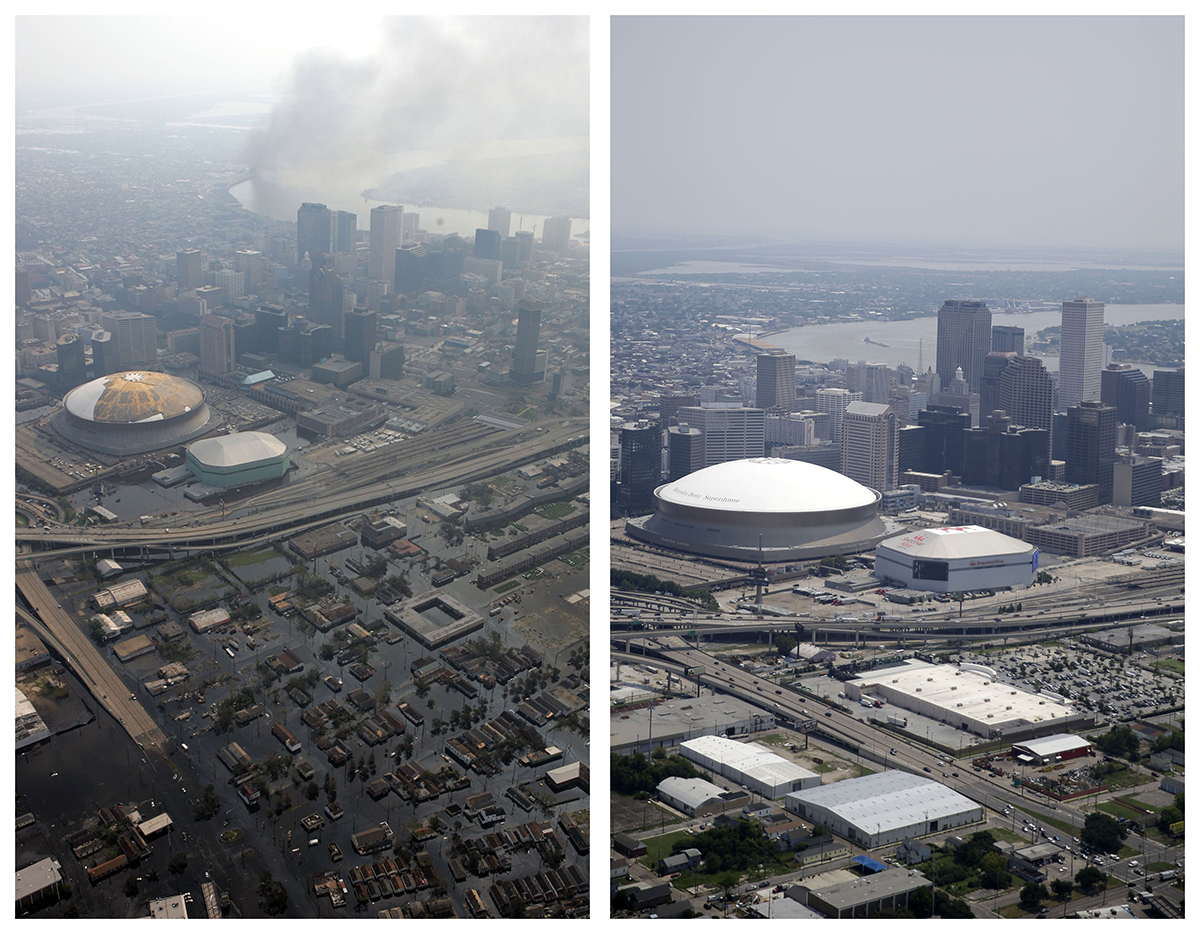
{"points": [[914, 340]]}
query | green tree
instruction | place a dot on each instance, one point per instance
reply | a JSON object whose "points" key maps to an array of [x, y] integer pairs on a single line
{"points": [[1033, 894], [1090, 879], [1062, 889], [993, 872], [784, 643], [178, 862], [1102, 832]]}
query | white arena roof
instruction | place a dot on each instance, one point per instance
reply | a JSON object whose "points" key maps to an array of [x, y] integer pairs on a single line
{"points": [[243, 447], [768, 485], [886, 800], [955, 542]]}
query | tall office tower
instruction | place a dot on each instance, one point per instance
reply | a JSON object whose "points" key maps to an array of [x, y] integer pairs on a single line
{"points": [[1081, 352], [268, 319], [1137, 481], [1092, 445], [529, 323], [989, 383], [500, 220], [189, 270], [217, 352], [104, 353], [359, 340], [1027, 395], [410, 268], [231, 284], [873, 382], [24, 289], [957, 395], [325, 293], [641, 456], [410, 224], [135, 338], [510, 252], [685, 451], [525, 242], [487, 244], [345, 232], [833, 402], [871, 445], [671, 402], [490, 269], [312, 230], [911, 445], [964, 336], [556, 234], [730, 431], [787, 431], [1004, 455], [72, 364], [385, 240], [1168, 392], [376, 292], [387, 361], [1008, 339], [944, 429], [776, 381], [1127, 390], [250, 263]]}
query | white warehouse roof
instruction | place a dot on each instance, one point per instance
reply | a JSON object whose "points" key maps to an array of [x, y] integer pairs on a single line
{"points": [[1054, 745], [693, 792], [956, 542], [885, 801], [767, 484], [751, 759]]}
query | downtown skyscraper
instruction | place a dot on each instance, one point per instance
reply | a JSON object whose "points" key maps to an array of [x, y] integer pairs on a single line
{"points": [[1081, 352], [385, 240], [964, 338]]}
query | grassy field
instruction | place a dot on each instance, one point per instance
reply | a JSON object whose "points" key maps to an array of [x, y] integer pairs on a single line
{"points": [[630, 814], [1008, 835], [506, 587], [658, 847], [1172, 664], [1126, 778], [1159, 866], [1119, 810], [241, 559]]}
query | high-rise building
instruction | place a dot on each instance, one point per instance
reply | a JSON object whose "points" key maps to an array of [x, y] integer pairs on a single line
{"points": [[944, 429], [72, 364], [487, 244], [231, 284], [500, 220], [135, 338], [1008, 339], [964, 337], [556, 234], [1127, 390], [1081, 352], [510, 252], [989, 383], [325, 293], [387, 361], [685, 451], [1004, 455], [958, 395], [911, 444], [524, 240], [1092, 445], [525, 351], [787, 431], [189, 270], [410, 268], [833, 402], [870, 445], [1026, 394], [731, 432], [312, 230], [1168, 392], [1137, 481], [250, 264], [385, 240], [268, 319], [641, 455], [776, 381], [359, 339], [217, 352], [345, 232], [105, 358]]}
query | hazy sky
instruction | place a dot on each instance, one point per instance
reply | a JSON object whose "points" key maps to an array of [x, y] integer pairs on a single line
{"points": [[1030, 131]]}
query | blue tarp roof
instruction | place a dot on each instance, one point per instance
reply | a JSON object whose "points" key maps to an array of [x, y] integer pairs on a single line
{"points": [[871, 865]]}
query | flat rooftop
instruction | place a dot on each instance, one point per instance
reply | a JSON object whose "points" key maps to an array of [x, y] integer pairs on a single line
{"points": [[434, 618], [842, 895], [683, 716], [886, 801]]}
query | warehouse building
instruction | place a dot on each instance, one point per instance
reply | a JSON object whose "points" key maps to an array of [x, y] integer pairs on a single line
{"points": [[1051, 749], [671, 722], [1128, 639], [848, 896], [955, 559], [887, 807], [749, 764], [965, 696], [697, 797]]}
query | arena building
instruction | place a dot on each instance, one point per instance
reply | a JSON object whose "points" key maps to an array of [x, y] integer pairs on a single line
{"points": [[133, 413], [749, 764], [967, 697], [956, 559], [887, 807], [238, 459], [782, 509]]}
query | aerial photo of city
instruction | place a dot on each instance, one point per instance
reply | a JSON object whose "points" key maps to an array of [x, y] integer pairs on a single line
{"points": [[896, 457], [302, 467]]}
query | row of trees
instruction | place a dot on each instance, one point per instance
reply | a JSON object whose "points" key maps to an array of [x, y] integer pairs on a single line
{"points": [[637, 775]]}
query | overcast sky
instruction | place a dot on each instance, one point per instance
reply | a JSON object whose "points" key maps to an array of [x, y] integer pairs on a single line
{"points": [[1028, 131]]}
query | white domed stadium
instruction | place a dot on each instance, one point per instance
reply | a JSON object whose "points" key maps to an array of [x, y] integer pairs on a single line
{"points": [[238, 459], [956, 559], [133, 413], [790, 509]]}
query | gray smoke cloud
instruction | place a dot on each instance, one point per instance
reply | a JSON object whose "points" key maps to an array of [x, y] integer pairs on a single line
{"points": [[444, 84]]}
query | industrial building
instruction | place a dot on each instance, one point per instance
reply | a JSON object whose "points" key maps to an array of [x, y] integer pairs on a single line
{"points": [[1051, 749], [238, 459], [133, 413], [1129, 639], [886, 807], [697, 797], [779, 509], [683, 718], [955, 559], [849, 896], [967, 697], [749, 764]]}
